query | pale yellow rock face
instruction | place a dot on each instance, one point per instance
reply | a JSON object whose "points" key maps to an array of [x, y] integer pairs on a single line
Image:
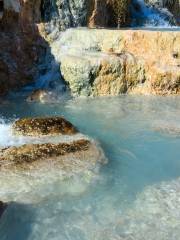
{"points": [[100, 62], [160, 52]]}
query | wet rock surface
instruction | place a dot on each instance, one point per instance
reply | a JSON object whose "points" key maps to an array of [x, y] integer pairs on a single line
{"points": [[102, 74], [21, 44], [50, 150], [28, 156], [93, 13], [43, 126], [109, 62], [39, 95], [54, 95], [109, 13]]}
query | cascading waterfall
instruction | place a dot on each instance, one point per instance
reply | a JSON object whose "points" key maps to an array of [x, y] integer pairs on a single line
{"points": [[49, 74], [146, 15], [48, 78], [61, 15]]}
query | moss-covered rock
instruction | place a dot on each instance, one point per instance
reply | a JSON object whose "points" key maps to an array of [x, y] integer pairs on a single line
{"points": [[43, 126]]}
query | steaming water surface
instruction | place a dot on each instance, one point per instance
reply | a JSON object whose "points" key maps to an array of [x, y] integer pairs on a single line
{"points": [[136, 194]]}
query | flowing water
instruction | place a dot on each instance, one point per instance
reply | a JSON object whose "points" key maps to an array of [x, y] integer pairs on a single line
{"points": [[146, 15], [136, 194]]}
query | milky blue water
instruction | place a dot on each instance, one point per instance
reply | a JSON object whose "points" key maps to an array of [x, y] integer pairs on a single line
{"points": [[136, 194]]}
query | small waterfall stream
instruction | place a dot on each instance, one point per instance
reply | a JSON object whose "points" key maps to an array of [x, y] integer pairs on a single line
{"points": [[146, 15]]}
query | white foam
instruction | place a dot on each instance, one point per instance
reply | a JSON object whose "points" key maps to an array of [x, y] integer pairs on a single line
{"points": [[7, 138]]}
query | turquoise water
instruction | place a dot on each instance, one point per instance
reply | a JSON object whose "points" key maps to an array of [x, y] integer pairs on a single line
{"points": [[136, 194]]}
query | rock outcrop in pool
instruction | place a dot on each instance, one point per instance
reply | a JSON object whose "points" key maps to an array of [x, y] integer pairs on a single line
{"points": [[67, 157], [100, 62], [51, 149], [43, 126]]}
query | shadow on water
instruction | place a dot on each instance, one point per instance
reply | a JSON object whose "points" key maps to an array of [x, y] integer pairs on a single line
{"points": [[16, 221]]}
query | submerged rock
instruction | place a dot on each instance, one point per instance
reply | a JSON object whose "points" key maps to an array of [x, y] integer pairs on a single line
{"points": [[154, 213], [171, 130], [39, 95], [64, 156], [2, 207], [43, 126]]}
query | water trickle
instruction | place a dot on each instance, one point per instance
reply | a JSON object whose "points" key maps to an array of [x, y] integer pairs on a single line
{"points": [[150, 16]]}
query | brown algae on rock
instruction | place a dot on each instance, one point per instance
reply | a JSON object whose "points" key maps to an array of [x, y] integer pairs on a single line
{"points": [[51, 150], [25, 155], [43, 126]]}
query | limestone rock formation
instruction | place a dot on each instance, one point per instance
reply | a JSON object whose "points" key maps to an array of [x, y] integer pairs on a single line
{"points": [[27, 25], [101, 74], [43, 126], [64, 14], [167, 129], [23, 45], [109, 62]]}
